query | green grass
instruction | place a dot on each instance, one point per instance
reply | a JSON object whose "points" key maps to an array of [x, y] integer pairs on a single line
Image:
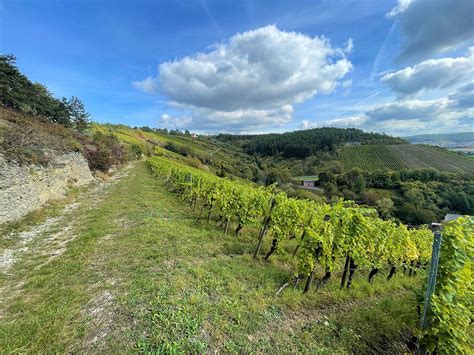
{"points": [[399, 156], [53, 208], [143, 275]]}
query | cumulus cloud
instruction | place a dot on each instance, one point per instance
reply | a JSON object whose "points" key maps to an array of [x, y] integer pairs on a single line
{"points": [[174, 122], [148, 85], [253, 79], [431, 74], [343, 122], [240, 121], [411, 116], [431, 27], [403, 117], [423, 110]]}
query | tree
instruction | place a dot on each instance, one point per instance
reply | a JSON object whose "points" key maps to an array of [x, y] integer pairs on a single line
{"points": [[359, 184], [77, 113], [415, 197], [330, 189], [416, 215], [384, 207], [370, 197], [326, 177], [18, 92]]}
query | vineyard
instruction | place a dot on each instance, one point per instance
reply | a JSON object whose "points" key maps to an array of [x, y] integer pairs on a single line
{"points": [[400, 156], [341, 238]]}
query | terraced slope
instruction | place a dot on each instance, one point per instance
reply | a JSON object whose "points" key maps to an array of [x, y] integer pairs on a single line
{"points": [[395, 157]]}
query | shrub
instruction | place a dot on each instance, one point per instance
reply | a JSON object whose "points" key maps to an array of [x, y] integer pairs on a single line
{"points": [[104, 152], [177, 148]]}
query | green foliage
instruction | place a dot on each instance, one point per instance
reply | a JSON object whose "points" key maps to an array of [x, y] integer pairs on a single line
{"points": [[323, 233], [302, 144], [77, 113], [105, 153], [453, 300], [178, 148], [18, 92]]}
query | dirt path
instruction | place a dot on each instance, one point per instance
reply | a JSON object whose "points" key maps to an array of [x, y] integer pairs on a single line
{"points": [[50, 238], [44, 242]]}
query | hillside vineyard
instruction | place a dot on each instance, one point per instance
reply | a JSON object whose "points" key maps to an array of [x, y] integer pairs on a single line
{"points": [[327, 234]]}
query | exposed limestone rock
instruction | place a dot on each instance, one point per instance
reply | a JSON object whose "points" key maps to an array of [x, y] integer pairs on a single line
{"points": [[28, 187]]}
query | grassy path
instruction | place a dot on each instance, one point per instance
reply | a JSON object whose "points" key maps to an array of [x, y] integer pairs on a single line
{"points": [[142, 275]]}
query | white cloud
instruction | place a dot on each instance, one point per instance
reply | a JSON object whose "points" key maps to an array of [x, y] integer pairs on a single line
{"points": [[349, 46], [430, 27], [343, 122], [401, 6], [404, 117], [174, 122], [252, 79], [346, 84], [431, 74], [423, 110], [148, 85], [240, 121]]}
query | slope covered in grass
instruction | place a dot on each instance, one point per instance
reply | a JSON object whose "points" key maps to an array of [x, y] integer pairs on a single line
{"points": [[142, 274], [395, 157]]}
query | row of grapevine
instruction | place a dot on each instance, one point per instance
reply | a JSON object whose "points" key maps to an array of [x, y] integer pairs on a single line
{"points": [[324, 233], [452, 303], [399, 156]]}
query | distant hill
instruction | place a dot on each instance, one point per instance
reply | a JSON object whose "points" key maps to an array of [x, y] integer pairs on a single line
{"points": [[304, 143], [396, 157], [444, 139]]}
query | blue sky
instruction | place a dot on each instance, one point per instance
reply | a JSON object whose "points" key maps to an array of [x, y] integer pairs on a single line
{"points": [[253, 66]]}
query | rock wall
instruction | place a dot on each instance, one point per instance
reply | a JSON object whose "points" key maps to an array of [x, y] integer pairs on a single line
{"points": [[28, 187]]}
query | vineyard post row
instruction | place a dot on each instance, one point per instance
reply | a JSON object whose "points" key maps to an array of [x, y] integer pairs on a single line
{"points": [[326, 233]]}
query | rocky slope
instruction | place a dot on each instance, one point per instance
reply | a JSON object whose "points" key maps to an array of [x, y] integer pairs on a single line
{"points": [[24, 188]]}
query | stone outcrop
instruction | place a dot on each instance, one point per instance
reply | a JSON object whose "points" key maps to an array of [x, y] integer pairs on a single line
{"points": [[28, 187]]}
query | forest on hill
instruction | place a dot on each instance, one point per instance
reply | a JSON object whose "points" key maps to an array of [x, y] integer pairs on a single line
{"points": [[302, 144]]}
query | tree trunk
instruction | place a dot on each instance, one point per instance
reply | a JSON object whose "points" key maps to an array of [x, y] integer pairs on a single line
{"points": [[352, 269], [296, 250], [238, 229], [226, 226], [209, 213], [263, 231], [372, 273], [344, 273], [273, 248], [410, 272], [309, 281], [392, 272], [325, 278]]}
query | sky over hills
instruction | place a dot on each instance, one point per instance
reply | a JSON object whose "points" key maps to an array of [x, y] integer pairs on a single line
{"points": [[246, 66]]}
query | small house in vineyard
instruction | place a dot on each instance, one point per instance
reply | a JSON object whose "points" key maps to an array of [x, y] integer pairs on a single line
{"points": [[308, 183]]}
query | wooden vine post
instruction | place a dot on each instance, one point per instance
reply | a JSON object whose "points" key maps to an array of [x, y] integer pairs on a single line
{"points": [[431, 282]]}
